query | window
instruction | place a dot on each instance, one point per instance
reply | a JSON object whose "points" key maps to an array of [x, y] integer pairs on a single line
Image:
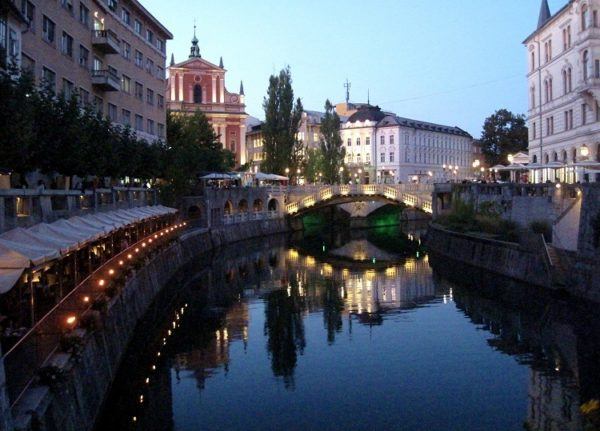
{"points": [[358, 141], [160, 101], [391, 139], [548, 89], [382, 157], [84, 96], [150, 36], [150, 126], [532, 95], [595, 18], [584, 17], [569, 119], [391, 157], [367, 141], [160, 44], [126, 84], [549, 126], [149, 66], [139, 59], [368, 158], [67, 88], [112, 5], [126, 50], [585, 64], [99, 105], [138, 27], [358, 159], [139, 123], [28, 11], [548, 51], [534, 131], [49, 79], [150, 96], [160, 72], [84, 15], [97, 64], [84, 55], [349, 142], [112, 112], [583, 114], [596, 69], [126, 117], [532, 61], [382, 140], [197, 93], [67, 4], [13, 46], [160, 130], [126, 16], [139, 91], [67, 44], [48, 29]]}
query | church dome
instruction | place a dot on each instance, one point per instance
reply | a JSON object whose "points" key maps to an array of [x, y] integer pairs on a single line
{"points": [[367, 113]]}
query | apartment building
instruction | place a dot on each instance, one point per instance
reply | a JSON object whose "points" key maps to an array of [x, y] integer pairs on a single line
{"points": [[12, 23], [563, 60], [112, 53]]}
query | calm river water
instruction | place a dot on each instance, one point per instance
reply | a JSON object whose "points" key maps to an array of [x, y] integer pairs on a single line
{"points": [[353, 330]]}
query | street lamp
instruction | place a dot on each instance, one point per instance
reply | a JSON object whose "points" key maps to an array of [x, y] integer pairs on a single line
{"points": [[287, 171], [585, 151]]}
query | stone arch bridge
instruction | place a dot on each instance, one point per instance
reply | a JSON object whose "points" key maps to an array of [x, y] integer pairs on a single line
{"points": [[215, 207]]}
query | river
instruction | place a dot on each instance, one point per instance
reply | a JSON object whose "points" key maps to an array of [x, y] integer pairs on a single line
{"points": [[353, 330]]}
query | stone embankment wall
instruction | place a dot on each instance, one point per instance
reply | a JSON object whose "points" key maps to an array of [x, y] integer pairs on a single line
{"points": [[507, 259], [74, 404]]}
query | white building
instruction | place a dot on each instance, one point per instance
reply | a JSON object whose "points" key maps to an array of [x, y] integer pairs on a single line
{"points": [[563, 57], [384, 148]]}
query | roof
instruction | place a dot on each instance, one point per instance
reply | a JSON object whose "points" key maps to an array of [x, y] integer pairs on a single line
{"points": [[192, 59], [547, 18], [423, 125], [367, 113]]}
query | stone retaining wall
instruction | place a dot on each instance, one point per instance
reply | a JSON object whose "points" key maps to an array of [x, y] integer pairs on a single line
{"points": [[74, 404], [507, 259]]}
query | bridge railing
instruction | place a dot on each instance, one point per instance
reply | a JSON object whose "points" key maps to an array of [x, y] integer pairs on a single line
{"points": [[415, 195]]}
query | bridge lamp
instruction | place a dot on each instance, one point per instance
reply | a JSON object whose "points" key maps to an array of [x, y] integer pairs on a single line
{"points": [[430, 173], [482, 170], [287, 170], [71, 320]]}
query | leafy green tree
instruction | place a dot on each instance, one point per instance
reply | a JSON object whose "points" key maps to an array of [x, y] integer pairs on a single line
{"points": [[313, 164], [282, 119], [17, 114], [332, 151], [503, 133], [192, 148]]}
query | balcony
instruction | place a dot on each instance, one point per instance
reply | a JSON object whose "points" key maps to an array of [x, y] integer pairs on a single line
{"points": [[105, 41], [106, 80]]}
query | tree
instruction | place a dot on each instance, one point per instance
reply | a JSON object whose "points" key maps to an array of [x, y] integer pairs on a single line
{"points": [[282, 119], [503, 133], [332, 151], [192, 148], [313, 164], [17, 135]]}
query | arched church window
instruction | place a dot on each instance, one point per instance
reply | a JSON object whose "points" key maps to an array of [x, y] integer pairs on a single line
{"points": [[197, 93]]}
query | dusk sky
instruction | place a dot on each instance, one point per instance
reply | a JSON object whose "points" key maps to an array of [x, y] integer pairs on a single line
{"points": [[442, 61]]}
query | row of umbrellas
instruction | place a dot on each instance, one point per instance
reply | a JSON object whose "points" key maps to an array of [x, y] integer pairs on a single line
{"points": [[22, 248], [235, 176]]}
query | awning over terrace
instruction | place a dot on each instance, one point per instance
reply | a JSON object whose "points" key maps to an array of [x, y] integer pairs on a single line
{"points": [[22, 248]]}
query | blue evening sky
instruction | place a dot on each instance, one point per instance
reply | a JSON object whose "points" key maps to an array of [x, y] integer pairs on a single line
{"points": [[445, 61]]}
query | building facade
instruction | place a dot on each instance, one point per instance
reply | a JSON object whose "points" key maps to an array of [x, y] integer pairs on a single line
{"points": [[384, 148], [309, 132], [563, 58], [197, 84], [109, 52]]}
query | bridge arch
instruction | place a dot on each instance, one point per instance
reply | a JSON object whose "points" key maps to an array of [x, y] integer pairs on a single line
{"points": [[273, 205], [257, 205], [243, 206], [228, 208]]}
